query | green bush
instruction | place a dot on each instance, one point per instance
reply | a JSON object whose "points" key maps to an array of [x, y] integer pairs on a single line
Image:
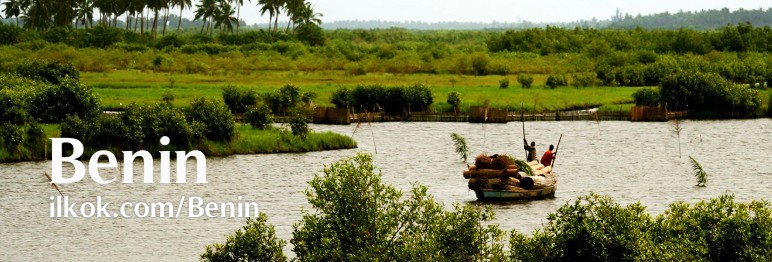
{"points": [[310, 34], [504, 83], [256, 241], [595, 228], [299, 124], [259, 116], [418, 97], [341, 98], [138, 127], [584, 80], [357, 216], [70, 97], [12, 136], [454, 100], [172, 40], [10, 34], [480, 63], [51, 72], [282, 101], [769, 106], [215, 117], [554, 81], [592, 228], [238, 100], [525, 80], [708, 91], [646, 97], [101, 36]]}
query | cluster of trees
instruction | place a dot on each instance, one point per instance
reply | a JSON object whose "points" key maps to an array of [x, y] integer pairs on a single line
{"points": [[394, 101], [704, 92], [357, 217], [36, 93], [42, 15], [259, 109], [741, 37], [141, 127]]}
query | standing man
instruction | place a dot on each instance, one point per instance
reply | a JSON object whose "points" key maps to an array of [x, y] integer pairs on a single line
{"points": [[530, 149], [548, 156]]}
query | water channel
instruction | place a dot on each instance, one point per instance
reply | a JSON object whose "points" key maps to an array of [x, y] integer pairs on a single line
{"points": [[628, 161]]}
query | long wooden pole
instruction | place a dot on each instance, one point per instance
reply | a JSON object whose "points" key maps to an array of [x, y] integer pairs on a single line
{"points": [[556, 152]]}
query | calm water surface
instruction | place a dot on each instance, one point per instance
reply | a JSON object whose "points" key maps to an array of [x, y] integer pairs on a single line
{"points": [[629, 161]]}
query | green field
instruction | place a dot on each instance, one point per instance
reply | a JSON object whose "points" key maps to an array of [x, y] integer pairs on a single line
{"points": [[247, 140], [120, 88]]}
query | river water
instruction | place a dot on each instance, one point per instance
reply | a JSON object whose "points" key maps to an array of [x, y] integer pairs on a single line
{"points": [[628, 161]]}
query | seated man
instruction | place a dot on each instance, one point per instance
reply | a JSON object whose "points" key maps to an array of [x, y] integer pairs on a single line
{"points": [[548, 156]]}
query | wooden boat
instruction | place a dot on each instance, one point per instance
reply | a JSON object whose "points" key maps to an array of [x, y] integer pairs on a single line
{"points": [[516, 193], [489, 184]]}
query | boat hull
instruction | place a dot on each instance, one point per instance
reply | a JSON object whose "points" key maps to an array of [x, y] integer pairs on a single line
{"points": [[493, 194]]}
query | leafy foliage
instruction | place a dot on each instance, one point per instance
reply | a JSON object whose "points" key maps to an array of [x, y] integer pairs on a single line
{"points": [[595, 228], [525, 80], [523, 166], [454, 100], [392, 100], [707, 91], [238, 100], [256, 241], [699, 173], [214, 116], [460, 144], [359, 217], [646, 97], [554, 81], [259, 116]]}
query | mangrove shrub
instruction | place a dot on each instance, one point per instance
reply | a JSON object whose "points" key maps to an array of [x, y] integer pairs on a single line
{"points": [[646, 97], [256, 241], [707, 92], [214, 117]]}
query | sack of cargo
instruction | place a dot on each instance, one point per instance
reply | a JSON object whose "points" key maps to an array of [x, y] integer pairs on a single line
{"points": [[511, 181], [534, 182]]}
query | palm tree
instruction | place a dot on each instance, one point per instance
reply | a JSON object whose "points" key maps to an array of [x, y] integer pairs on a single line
{"points": [[293, 7], [183, 4], [273, 7], [224, 18], [14, 8], [306, 15], [84, 13], [239, 3], [38, 16], [206, 11]]}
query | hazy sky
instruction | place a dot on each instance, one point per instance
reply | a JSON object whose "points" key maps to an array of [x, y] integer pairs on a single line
{"points": [[498, 10]]}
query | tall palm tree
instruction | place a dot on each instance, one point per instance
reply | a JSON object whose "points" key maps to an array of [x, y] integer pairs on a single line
{"points": [[292, 7], [183, 4], [38, 15], [206, 11], [306, 15], [273, 7], [14, 8], [84, 13], [224, 18], [239, 3]]}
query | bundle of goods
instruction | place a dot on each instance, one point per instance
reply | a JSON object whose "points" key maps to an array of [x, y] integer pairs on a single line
{"points": [[502, 173]]}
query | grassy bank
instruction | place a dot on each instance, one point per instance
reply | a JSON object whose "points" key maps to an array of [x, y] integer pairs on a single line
{"points": [[247, 141], [254, 141], [120, 88]]}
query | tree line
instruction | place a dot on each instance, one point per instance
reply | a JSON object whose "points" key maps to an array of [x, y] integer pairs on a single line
{"points": [[152, 15]]}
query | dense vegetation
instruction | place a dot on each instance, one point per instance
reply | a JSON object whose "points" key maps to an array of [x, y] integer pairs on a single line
{"points": [[542, 57], [40, 92], [357, 217]]}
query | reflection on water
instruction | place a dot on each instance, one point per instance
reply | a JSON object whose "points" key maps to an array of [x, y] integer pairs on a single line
{"points": [[629, 161]]}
